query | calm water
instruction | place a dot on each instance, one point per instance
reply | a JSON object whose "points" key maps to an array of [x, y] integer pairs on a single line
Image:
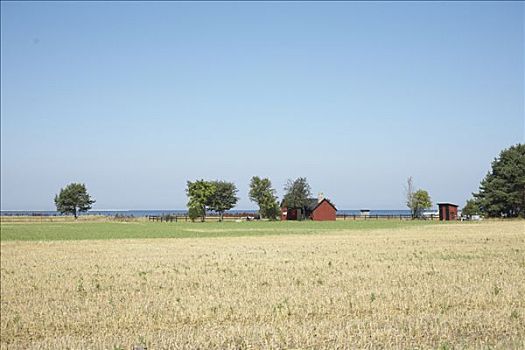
{"points": [[140, 213]]}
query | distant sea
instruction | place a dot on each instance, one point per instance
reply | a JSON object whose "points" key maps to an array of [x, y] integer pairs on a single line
{"points": [[141, 213]]}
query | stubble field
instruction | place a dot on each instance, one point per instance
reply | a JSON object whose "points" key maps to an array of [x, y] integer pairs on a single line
{"points": [[409, 286]]}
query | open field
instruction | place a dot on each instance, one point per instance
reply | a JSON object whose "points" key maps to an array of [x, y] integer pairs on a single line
{"points": [[52, 218], [179, 218], [409, 286], [35, 231]]}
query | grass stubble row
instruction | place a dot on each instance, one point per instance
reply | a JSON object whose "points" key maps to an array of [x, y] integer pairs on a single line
{"points": [[434, 286]]}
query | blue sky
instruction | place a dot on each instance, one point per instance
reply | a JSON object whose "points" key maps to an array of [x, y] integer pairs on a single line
{"points": [[136, 98]]}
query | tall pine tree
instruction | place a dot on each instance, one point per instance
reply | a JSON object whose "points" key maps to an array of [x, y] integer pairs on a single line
{"points": [[502, 191]]}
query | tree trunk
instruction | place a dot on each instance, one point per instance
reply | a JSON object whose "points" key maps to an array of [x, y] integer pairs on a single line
{"points": [[75, 212], [221, 215]]}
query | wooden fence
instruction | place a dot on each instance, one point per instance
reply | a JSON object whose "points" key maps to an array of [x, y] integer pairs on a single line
{"points": [[249, 217], [383, 217], [185, 218]]}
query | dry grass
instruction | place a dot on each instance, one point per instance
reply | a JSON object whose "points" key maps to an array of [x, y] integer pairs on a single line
{"points": [[436, 286]]}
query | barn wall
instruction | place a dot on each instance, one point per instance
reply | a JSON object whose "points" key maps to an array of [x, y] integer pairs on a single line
{"points": [[442, 212], [453, 212], [324, 212], [448, 212], [288, 214]]}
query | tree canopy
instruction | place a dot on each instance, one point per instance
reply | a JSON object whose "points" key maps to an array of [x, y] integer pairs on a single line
{"points": [[198, 193], [218, 196], [502, 191], [417, 201], [471, 208], [222, 198], [262, 193], [297, 193], [73, 199]]}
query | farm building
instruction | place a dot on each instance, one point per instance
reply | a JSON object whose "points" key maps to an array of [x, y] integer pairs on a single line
{"points": [[448, 211], [320, 209]]}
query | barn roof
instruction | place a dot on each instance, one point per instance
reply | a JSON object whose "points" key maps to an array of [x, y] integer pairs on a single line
{"points": [[312, 204], [327, 201]]}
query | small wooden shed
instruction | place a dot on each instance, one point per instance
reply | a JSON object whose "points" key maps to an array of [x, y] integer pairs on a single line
{"points": [[448, 211]]}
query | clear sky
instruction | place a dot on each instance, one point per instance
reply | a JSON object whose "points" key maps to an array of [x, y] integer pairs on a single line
{"points": [[134, 99]]}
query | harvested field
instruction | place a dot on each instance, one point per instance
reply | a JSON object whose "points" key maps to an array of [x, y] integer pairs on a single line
{"points": [[417, 286]]}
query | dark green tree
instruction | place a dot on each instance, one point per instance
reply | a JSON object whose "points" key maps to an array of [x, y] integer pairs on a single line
{"points": [[502, 191], [194, 213], [222, 198], [421, 202], [297, 194], [417, 201], [73, 199], [199, 193], [271, 209], [262, 193], [471, 208]]}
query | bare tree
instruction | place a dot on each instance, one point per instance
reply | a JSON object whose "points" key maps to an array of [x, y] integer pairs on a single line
{"points": [[409, 192], [417, 201]]}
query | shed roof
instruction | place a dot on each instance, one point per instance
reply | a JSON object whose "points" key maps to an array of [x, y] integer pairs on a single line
{"points": [[312, 204], [447, 203]]}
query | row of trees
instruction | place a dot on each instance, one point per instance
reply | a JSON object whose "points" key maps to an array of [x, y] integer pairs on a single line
{"points": [[220, 196], [217, 196], [501, 193], [203, 196]]}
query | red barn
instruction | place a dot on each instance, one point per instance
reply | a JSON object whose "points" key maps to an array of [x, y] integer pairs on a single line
{"points": [[448, 211], [324, 211], [316, 209]]}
